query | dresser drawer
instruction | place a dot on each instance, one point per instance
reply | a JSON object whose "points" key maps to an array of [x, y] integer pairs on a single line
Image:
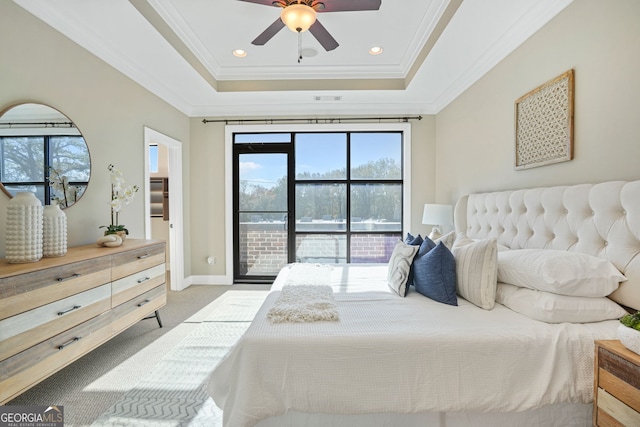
{"points": [[127, 263], [24, 292], [617, 391], [137, 308], [26, 329], [31, 366], [138, 283]]}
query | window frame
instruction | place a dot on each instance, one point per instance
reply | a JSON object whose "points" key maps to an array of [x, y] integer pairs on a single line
{"points": [[230, 130]]}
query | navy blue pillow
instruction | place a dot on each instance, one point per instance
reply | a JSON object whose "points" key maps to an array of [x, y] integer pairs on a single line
{"points": [[426, 245], [414, 241], [435, 275], [411, 240]]}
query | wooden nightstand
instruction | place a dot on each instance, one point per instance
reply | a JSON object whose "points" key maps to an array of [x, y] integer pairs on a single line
{"points": [[616, 399]]}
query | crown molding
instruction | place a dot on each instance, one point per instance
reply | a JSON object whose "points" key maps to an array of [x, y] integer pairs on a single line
{"points": [[524, 28]]}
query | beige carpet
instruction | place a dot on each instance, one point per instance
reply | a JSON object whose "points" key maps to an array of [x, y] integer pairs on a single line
{"points": [[112, 373]]}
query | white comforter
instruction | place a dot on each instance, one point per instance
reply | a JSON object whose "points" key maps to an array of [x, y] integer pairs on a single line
{"points": [[402, 355]]}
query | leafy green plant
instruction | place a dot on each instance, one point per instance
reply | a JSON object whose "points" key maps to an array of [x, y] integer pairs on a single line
{"points": [[631, 320], [114, 229]]}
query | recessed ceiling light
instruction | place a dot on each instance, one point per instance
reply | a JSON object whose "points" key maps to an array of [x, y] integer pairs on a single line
{"points": [[240, 53], [375, 50]]}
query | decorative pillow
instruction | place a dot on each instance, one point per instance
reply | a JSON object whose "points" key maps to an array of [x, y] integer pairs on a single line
{"points": [[448, 239], [413, 240], [476, 271], [462, 239], [554, 308], [426, 245], [399, 266], [435, 275], [560, 272]]}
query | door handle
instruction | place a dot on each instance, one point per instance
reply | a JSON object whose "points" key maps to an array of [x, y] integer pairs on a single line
{"points": [[285, 218]]}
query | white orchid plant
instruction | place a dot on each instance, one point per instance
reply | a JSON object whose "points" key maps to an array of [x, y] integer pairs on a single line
{"points": [[121, 195], [65, 194]]}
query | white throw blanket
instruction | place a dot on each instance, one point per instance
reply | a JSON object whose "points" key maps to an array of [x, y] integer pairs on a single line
{"points": [[304, 303]]}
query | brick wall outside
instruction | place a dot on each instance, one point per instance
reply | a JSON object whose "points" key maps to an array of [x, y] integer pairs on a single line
{"points": [[263, 248]]}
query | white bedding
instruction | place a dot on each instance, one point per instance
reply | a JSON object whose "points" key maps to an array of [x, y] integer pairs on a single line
{"points": [[402, 355]]}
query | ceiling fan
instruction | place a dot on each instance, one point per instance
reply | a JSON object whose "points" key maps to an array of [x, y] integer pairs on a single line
{"points": [[300, 15]]}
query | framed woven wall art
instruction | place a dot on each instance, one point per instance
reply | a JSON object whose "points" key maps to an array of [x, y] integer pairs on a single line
{"points": [[544, 124]]}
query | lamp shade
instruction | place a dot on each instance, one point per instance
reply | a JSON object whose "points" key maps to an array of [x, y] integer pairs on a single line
{"points": [[437, 215], [298, 17]]}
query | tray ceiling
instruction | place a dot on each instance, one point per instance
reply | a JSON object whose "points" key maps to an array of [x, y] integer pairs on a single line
{"points": [[182, 50]]}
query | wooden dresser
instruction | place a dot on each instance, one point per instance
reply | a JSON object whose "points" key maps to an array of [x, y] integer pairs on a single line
{"points": [[617, 385], [57, 309]]}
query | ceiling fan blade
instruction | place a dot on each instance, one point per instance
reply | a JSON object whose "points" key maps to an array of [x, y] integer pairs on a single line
{"points": [[264, 2], [271, 31], [348, 5], [322, 35]]}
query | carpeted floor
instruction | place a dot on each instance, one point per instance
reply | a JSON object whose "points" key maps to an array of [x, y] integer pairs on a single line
{"points": [[154, 371]]}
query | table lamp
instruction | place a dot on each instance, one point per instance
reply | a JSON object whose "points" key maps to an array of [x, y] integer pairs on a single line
{"points": [[437, 215]]}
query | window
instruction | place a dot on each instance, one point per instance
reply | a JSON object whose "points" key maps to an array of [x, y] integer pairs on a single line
{"points": [[334, 197], [348, 199], [28, 162], [153, 158]]}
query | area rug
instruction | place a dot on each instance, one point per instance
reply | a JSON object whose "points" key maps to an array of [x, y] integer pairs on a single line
{"points": [[174, 392]]}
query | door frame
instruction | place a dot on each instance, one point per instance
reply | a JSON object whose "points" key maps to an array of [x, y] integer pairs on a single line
{"points": [[270, 148], [176, 223], [326, 127]]}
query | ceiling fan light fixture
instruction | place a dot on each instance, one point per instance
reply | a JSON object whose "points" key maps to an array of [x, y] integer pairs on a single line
{"points": [[298, 17]]}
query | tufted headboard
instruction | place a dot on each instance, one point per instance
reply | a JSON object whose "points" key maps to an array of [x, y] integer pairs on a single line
{"points": [[598, 219]]}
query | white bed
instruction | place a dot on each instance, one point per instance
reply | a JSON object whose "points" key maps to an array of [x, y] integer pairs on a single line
{"points": [[416, 362]]}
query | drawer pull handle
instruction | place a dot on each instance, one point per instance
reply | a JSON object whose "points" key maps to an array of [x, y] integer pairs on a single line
{"points": [[68, 343], [144, 279], [73, 276], [140, 304], [63, 312], [144, 256]]}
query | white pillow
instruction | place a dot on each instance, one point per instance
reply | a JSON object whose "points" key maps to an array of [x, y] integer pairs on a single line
{"points": [[554, 308], [560, 272], [448, 239], [399, 266], [476, 270], [500, 247]]}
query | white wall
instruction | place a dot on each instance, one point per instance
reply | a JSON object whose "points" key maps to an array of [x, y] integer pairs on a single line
{"points": [[38, 64], [475, 133]]}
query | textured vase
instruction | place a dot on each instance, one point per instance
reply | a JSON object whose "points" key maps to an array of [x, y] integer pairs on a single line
{"points": [[24, 229], [54, 231]]}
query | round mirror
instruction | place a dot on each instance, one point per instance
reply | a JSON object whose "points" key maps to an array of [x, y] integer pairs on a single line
{"points": [[42, 151]]}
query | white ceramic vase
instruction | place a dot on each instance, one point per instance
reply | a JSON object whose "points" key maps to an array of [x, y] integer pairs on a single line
{"points": [[54, 231], [24, 228], [629, 338]]}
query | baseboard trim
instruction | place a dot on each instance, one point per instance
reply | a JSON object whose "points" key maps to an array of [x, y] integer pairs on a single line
{"points": [[207, 280]]}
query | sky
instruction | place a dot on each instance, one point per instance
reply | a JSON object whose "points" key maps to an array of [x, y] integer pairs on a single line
{"points": [[316, 153]]}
